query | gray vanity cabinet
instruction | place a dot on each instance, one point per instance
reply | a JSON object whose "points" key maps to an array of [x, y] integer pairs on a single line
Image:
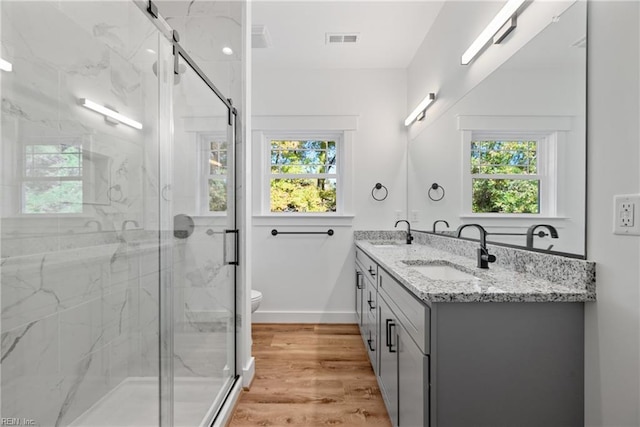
{"points": [[359, 293], [450, 364], [366, 305], [388, 367], [403, 373], [413, 382], [369, 316]]}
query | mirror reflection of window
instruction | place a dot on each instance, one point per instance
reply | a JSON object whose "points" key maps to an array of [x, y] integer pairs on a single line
{"points": [[52, 179], [217, 179], [62, 176], [505, 176], [213, 158], [511, 173]]}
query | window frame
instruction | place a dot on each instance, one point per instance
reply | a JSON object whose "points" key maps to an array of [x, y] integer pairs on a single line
{"points": [[88, 192], [203, 141], [547, 154], [267, 176]]}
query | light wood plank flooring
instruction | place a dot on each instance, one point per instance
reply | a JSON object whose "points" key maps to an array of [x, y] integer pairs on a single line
{"points": [[310, 375]]}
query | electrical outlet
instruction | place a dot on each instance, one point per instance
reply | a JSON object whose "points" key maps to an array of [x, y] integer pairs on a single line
{"points": [[626, 219], [626, 214], [415, 216]]}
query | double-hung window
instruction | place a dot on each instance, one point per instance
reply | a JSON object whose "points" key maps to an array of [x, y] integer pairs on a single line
{"points": [[510, 173], [304, 173], [52, 178], [303, 170], [214, 160]]}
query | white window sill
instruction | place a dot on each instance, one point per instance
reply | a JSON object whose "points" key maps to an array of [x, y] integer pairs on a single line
{"points": [[512, 216], [307, 220]]}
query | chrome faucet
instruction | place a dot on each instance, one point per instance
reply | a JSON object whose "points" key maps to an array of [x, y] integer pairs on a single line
{"points": [[409, 236], [92, 221], [531, 231], [134, 222], [484, 257], [437, 221]]}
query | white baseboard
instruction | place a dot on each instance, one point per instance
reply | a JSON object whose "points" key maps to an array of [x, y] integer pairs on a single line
{"points": [[248, 372], [303, 317]]}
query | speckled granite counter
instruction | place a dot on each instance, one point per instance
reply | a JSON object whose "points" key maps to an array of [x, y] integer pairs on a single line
{"points": [[517, 276]]}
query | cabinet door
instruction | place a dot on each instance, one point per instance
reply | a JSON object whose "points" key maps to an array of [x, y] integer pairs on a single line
{"points": [[359, 295], [388, 353], [369, 314], [413, 382]]}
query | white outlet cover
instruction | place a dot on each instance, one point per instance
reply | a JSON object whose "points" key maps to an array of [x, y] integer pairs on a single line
{"points": [[631, 204]]}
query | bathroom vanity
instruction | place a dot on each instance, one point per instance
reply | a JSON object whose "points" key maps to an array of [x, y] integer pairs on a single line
{"points": [[454, 345]]}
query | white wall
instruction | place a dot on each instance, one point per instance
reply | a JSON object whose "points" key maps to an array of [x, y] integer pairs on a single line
{"points": [[612, 368], [309, 278]]}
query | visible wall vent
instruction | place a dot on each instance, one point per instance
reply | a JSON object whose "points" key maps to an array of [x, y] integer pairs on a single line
{"points": [[341, 38], [260, 37]]}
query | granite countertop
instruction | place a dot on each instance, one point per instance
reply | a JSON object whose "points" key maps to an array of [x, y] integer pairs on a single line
{"points": [[496, 284]]}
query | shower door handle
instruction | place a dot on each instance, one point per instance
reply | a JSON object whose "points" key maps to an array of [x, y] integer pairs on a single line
{"points": [[236, 246]]}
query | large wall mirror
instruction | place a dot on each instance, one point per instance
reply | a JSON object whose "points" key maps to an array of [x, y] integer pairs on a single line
{"points": [[511, 153]]}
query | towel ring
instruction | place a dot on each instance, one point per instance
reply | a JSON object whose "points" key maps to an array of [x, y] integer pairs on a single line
{"points": [[163, 193], [435, 187], [379, 186], [118, 190]]}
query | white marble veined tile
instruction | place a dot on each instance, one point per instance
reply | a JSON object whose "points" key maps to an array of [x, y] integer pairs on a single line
{"points": [[149, 358], [81, 333], [118, 309], [85, 383], [30, 370], [104, 20], [202, 354], [31, 350], [120, 350]]}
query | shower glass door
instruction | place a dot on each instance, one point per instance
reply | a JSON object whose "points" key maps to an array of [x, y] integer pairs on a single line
{"points": [[199, 326]]}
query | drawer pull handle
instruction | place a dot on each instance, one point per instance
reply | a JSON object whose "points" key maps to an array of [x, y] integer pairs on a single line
{"points": [[371, 307], [391, 325], [358, 276], [370, 347], [371, 271], [386, 331]]}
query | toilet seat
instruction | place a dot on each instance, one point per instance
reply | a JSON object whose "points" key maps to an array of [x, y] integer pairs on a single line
{"points": [[256, 297]]}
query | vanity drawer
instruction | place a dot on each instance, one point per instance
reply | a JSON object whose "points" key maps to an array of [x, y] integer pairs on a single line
{"points": [[414, 315], [370, 268]]}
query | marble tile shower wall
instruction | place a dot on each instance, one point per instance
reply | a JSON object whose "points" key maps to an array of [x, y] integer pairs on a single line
{"points": [[79, 308]]}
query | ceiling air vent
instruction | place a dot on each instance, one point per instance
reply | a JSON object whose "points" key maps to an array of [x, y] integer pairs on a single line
{"points": [[342, 38]]}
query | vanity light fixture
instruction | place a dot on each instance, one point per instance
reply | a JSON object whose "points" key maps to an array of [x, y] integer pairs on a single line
{"points": [[504, 16], [5, 65], [109, 113], [420, 109]]}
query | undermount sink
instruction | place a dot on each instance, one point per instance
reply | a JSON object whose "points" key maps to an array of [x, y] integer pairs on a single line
{"points": [[441, 270]]}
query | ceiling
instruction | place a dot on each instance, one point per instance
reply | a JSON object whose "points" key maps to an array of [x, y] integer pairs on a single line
{"points": [[390, 32]]}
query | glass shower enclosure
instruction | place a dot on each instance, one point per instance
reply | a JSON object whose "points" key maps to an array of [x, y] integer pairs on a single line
{"points": [[118, 242]]}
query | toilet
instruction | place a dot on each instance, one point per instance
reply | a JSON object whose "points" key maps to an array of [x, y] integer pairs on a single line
{"points": [[256, 297]]}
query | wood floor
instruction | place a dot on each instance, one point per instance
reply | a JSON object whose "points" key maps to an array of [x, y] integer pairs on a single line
{"points": [[310, 375]]}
